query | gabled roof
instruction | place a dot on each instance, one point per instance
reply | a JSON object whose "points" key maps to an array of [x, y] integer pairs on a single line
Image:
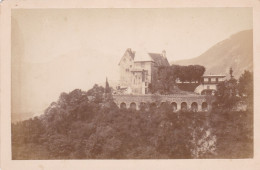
{"points": [[159, 59], [143, 56], [130, 52]]}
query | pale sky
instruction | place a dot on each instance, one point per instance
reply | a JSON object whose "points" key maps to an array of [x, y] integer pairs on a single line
{"points": [[58, 50]]}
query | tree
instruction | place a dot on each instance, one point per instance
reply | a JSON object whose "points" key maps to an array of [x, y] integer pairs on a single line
{"points": [[227, 94], [97, 93], [231, 93], [188, 73], [245, 87], [165, 82], [107, 88], [198, 72]]}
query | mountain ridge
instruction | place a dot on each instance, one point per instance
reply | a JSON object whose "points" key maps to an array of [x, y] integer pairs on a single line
{"points": [[236, 51]]}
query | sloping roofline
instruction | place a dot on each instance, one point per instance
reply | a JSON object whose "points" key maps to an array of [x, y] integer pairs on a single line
{"points": [[132, 54]]}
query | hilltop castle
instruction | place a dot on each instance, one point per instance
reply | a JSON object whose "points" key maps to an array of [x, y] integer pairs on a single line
{"points": [[139, 69]]}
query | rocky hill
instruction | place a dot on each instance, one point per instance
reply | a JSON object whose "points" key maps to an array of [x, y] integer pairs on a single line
{"points": [[235, 51]]}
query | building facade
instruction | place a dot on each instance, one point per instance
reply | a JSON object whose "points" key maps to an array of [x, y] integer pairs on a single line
{"points": [[139, 69], [209, 84]]}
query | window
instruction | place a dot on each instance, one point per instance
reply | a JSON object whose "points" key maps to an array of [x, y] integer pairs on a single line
{"points": [[208, 87], [130, 66], [127, 70]]}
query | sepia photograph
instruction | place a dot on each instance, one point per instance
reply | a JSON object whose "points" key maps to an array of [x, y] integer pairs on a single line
{"points": [[165, 83]]}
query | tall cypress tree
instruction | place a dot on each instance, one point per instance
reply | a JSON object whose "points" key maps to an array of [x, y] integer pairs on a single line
{"points": [[107, 88], [108, 94]]}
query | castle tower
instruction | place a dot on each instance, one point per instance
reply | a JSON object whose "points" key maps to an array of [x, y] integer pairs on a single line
{"points": [[126, 65]]}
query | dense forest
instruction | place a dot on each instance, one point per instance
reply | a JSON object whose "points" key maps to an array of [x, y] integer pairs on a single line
{"points": [[80, 127]]}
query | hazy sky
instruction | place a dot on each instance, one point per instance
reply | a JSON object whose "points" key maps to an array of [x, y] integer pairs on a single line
{"points": [[56, 50]]}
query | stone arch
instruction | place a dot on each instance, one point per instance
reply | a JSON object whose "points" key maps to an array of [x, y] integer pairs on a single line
{"points": [[174, 106], [153, 106], [143, 106], [133, 106], [184, 106], [163, 104], [113, 104], [194, 106], [123, 105], [204, 106]]}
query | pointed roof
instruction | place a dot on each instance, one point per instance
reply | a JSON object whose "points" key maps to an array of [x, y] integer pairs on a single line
{"points": [[130, 52], [159, 59], [139, 56]]}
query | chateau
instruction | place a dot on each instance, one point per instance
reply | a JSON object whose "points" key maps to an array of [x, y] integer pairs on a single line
{"points": [[139, 69]]}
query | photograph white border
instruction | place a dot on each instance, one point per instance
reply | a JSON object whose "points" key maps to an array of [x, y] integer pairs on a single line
{"points": [[5, 51]]}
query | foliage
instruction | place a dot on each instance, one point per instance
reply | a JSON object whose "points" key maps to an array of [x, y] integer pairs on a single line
{"points": [[165, 82], [97, 93], [189, 73], [245, 87], [234, 132], [85, 129], [231, 93], [190, 87], [226, 95], [107, 88]]}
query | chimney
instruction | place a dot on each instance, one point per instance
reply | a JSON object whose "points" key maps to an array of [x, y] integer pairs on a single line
{"points": [[164, 53]]}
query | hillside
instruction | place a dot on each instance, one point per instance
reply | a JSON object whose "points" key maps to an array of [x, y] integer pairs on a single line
{"points": [[76, 128], [235, 51]]}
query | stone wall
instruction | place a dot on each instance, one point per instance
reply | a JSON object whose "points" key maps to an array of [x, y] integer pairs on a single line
{"points": [[196, 102]]}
